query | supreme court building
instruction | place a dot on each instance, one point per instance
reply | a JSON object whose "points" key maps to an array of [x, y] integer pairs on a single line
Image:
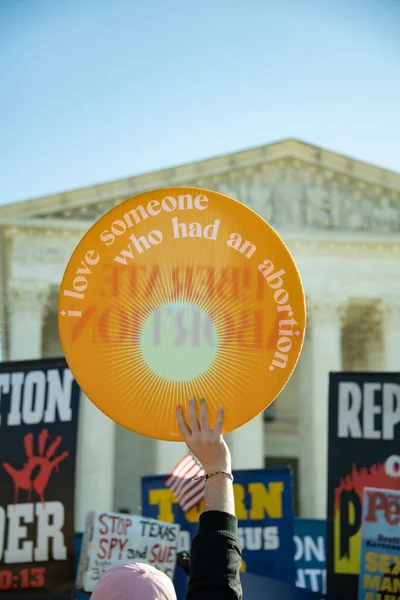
{"points": [[340, 219]]}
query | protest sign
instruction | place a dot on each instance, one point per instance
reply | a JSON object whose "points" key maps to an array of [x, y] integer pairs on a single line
{"points": [[264, 588], [180, 292], [310, 554], [380, 545], [38, 428], [79, 594], [263, 503], [364, 443], [112, 539]]}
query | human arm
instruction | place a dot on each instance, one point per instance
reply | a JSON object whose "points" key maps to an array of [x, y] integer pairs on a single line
{"points": [[215, 558], [210, 449]]}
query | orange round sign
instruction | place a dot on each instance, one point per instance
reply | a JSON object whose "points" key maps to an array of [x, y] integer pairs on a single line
{"points": [[180, 292]]}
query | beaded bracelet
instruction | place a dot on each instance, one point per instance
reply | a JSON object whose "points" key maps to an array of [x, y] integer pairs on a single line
{"points": [[208, 475]]}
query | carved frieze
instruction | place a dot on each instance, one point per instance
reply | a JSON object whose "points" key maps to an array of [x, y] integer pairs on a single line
{"points": [[292, 194]]}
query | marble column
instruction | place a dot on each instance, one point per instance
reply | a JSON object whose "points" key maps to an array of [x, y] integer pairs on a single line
{"points": [[325, 357], [306, 401], [390, 310], [27, 303], [247, 445], [95, 467]]}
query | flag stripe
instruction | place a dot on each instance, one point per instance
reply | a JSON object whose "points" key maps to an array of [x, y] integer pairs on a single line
{"points": [[186, 479], [184, 473], [193, 502], [188, 492], [179, 468]]}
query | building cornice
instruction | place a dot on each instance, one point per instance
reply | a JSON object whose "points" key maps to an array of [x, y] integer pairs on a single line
{"points": [[45, 225], [306, 239], [188, 174]]}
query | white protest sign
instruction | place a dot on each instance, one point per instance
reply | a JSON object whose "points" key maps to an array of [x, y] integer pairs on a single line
{"points": [[112, 539]]}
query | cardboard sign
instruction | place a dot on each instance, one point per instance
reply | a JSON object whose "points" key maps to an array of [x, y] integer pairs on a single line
{"points": [[112, 539], [380, 545], [177, 292], [38, 430], [263, 504], [363, 451]]}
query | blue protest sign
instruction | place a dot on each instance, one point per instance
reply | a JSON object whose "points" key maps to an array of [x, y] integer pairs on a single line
{"points": [[263, 500], [309, 554], [264, 588]]}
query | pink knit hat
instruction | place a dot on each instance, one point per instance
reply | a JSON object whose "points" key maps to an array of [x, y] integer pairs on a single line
{"points": [[134, 582]]}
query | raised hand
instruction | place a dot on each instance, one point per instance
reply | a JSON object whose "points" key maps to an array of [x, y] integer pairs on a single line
{"points": [[207, 444], [36, 471]]}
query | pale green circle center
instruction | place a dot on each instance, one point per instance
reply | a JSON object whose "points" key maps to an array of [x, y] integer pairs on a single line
{"points": [[178, 341]]}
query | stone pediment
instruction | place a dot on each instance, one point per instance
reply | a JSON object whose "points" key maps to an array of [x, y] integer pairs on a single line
{"points": [[293, 185]]}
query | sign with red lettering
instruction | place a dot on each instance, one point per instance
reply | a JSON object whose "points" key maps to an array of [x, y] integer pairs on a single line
{"points": [[180, 292], [363, 451], [111, 539], [38, 428], [380, 546]]}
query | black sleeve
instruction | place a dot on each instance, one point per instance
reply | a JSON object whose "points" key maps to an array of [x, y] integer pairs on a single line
{"points": [[215, 559]]}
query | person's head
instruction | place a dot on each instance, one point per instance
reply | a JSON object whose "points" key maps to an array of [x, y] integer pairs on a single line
{"points": [[134, 582]]}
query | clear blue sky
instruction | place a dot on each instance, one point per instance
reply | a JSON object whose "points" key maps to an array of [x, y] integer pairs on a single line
{"points": [[93, 90]]}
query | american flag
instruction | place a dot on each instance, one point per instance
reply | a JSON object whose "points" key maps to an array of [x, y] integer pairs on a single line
{"points": [[180, 481]]}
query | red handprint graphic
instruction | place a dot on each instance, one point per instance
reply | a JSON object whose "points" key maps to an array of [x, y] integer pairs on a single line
{"points": [[37, 470]]}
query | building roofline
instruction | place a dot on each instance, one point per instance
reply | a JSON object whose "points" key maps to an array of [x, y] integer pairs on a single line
{"points": [[123, 188]]}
